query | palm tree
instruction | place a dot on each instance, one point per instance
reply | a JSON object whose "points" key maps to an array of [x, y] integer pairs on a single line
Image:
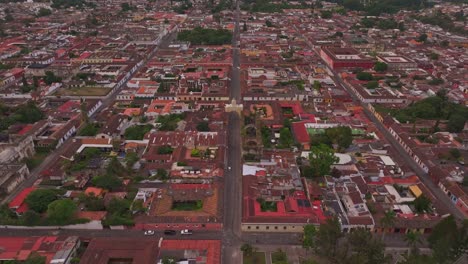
{"points": [[388, 220], [412, 239]]}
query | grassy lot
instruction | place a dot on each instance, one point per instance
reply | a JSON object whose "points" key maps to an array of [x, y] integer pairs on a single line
{"points": [[255, 258], [279, 257], [84, 91], [187, 205]]}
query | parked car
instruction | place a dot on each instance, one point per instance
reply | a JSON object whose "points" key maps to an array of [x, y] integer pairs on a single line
{"points": [[186, 232], [149, 232], [170, 232]]}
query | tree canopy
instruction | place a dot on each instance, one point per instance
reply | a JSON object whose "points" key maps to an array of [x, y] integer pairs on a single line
{"points": [[203, 126], [39, 200], [205, 36], [61, 211], [380, 66], [108, 182], [321, 158], [449, 240], [137, 132], [341, 136], [435, 107]]}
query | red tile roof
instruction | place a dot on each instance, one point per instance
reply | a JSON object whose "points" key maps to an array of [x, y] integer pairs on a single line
{"points": [[300, 132], [18, 201]]}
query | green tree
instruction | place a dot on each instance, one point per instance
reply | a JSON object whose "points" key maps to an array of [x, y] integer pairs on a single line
{"points": [[455, 153], [35, 258], [115, 168], [31, 218], [353, 5], [365, 248], [448, 240], [418, 259], [387, 221], [268, 23], [456, 123], [137, 132], [372, 85], [89, 130], [125, 7], [422, 37], [118, 206], [434, 56], [61, 211], [364, 76], [286, 138], [328, 237], [39, 200], [309, 237], [422, 204], [131, 158], [44, 12], [107, 182], [247, 249], [342, 136], [317, 85], [321, 158], [92, 203], [326, 14], [51, 78], [412, 240], [162, 174], [380, 66], [203, 126]]}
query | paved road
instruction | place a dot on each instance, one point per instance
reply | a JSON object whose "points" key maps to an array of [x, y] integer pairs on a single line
{"points": [[205, 234], [233, 179]]}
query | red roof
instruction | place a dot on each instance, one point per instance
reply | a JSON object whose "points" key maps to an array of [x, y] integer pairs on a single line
{"points": [[25, 129], [10, 246], [18, 201], [296, 107], [180, 186], [300, 132], [68, 106]]}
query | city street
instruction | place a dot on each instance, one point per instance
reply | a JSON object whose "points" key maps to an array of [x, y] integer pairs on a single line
{"points": [[233, 179]]}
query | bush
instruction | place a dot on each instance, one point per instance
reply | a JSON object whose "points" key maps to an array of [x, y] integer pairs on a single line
{"points": [[90, 130], [372, 85], [203, 126], [163, 150], [364, 76]]}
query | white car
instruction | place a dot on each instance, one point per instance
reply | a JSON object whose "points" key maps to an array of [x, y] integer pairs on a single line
{"points": [[149, 233], [186, 232]]}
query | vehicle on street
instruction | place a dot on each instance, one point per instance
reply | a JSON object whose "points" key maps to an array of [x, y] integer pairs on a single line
{"points": [[170, 232], [186, 232], [149, 232]]}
